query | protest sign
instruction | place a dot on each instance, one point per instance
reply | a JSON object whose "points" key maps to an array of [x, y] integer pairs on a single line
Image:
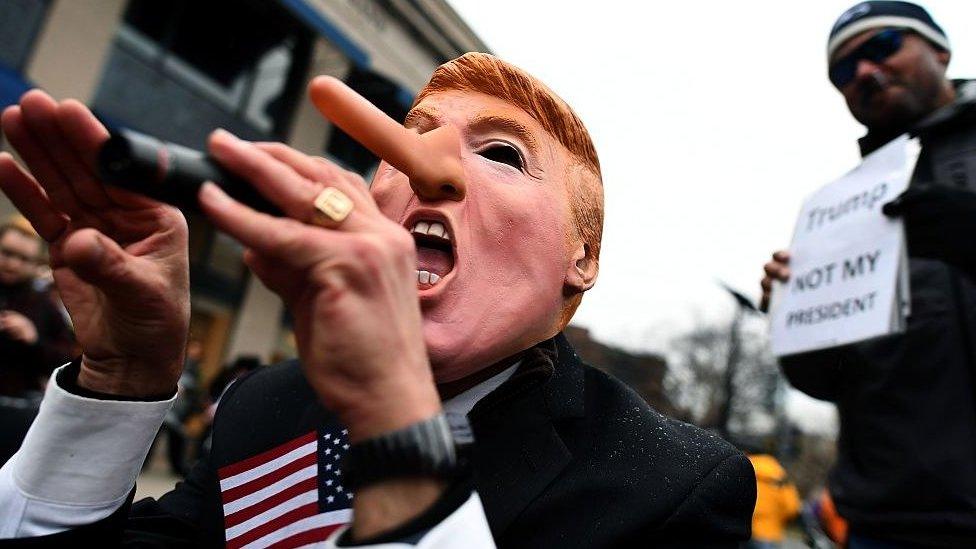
{"points": [[848, 264]]}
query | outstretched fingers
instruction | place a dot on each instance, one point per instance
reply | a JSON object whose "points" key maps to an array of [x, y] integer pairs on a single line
{"points": [[40, 164], [284, 239], [82, 130], [41, 115], [284, 185], [314, 168], [85, 135], [30, 199]]}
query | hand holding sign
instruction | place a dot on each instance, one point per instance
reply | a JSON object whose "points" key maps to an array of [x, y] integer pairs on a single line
{"points": [[940, 223]]}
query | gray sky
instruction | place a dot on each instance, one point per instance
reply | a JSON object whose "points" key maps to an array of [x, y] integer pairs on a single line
{"points": [[713, 121]]}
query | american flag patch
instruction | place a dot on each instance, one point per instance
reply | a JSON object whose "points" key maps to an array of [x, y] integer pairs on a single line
{"points": [[289, 496]]}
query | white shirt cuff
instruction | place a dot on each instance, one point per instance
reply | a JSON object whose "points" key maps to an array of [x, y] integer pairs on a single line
{"points": [[78, 462], [465, 528]]}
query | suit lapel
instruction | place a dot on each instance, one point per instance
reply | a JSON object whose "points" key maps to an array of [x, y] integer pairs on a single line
{"points": [[518, 451]]}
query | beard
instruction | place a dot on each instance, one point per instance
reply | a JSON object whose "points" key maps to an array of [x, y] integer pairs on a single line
{"points": [[886, 105]]}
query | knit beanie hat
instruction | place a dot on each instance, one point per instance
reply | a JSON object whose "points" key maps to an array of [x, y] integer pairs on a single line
{"points": [[877, 14]]}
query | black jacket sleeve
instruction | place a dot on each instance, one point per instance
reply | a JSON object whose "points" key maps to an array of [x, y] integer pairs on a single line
{"points": [[188, 516], [817, 373], [718, 511]]}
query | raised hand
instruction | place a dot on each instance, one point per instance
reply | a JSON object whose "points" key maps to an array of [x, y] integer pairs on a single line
{"points": [[351, 287], [939, 223], [120, 261]]}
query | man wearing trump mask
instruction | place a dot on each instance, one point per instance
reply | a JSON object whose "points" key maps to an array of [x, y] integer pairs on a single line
{"points": [[435, 401]]}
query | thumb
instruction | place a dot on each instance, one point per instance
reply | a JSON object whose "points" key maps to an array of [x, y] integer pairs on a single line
{"points": [[895, 208], [100, 261], [932, 203], [280, 281]]}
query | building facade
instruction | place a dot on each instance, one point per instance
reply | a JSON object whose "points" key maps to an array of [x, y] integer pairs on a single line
{"points": [[180, 69]]}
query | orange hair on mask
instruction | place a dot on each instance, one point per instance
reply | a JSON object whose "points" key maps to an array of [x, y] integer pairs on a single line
{"points": [[487, 74]]}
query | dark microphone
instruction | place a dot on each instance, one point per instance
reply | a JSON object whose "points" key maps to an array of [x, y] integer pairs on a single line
{"points": [[169, 172]]}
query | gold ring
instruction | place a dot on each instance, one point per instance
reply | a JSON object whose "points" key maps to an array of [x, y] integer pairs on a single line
{"points": [[332, 207]]}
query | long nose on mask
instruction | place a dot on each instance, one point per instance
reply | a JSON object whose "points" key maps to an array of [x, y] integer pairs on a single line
{"points": [[431, 161]]}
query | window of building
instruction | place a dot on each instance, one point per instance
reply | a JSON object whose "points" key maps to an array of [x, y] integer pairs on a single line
{"points": [[248, 56], [179, 69]]}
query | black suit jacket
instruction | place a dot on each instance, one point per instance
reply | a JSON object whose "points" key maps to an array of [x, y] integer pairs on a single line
{"points": [[565, 456]]}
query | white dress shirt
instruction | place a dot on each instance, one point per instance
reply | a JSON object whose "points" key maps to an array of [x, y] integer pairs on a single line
{"points": [[78, 462]]}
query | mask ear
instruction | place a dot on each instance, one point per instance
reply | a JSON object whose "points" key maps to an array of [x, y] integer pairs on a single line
{"points": [[582, 272]]}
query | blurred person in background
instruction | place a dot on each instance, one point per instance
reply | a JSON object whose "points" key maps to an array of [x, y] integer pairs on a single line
{"points": [[230, 373], [822, 524], [34, 337], [777, 502], [187, 405], [906, 469]]}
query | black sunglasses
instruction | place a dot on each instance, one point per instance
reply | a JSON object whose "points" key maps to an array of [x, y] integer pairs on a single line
{"points": [[878, 48]]}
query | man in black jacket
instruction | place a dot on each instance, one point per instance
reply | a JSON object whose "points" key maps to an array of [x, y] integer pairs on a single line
{"points": [[434, 299], [906, 467]]}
